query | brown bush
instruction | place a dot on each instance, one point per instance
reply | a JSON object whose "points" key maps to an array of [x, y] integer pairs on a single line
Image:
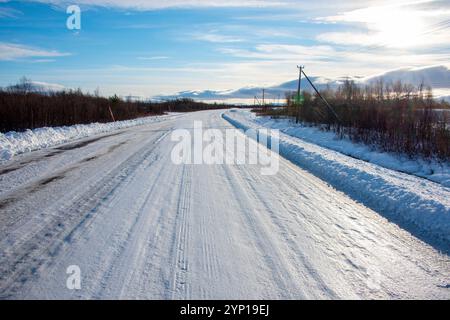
{"points": [[390, 117], [21, 108]]}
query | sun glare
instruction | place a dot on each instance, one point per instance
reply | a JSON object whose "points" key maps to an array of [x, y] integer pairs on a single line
{"points": [[398, 28]]}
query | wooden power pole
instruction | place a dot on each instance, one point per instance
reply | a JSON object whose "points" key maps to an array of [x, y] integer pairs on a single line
{"points": [[297, 100], [263, 101]]}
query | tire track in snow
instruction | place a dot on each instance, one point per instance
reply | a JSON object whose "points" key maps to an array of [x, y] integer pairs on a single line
{"points": [[286, 286], [180, 287], [209, 256], [209, 261], [123, 257], [23, 257], [127, 249], [295, 252]]}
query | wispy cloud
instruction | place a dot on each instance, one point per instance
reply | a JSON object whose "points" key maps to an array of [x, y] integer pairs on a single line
{"points": [[158, 4], [216, 38], [226, 49], [153, 58], [12, 51], [329, 61], [48, 86], [6, 12], [40, 60], [282, 52]]}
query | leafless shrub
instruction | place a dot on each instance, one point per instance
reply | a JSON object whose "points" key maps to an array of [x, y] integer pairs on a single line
{"points": [[21, 108], [392, 117]]}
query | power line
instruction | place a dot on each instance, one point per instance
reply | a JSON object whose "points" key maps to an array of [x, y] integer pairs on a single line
{"points": [[323, 99]]}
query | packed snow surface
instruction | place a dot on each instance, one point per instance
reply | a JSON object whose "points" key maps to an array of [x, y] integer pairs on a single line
{"points": [[139, 226]]}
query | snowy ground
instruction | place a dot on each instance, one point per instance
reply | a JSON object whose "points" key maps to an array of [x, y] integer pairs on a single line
{"points": [[13, 143], [140, 226], [437, 171]]}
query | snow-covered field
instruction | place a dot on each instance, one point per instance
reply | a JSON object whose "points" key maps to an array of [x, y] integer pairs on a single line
{"points": [[420, 205], [139, 226], [13, 143]]}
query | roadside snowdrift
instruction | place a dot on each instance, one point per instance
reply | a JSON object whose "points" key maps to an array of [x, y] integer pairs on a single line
{"points": [[432, 170], [13, 143], [419, 205]]}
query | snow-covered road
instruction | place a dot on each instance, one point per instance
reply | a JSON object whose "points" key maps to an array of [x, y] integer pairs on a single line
{"points": [[139, 226]]}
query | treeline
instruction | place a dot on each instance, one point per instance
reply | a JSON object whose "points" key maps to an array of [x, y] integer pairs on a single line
{"points": [[21, 108], [393, 117]]}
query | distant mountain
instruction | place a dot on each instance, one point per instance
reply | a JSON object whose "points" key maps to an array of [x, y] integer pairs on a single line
{"points": [[445, 98], [250, 92], [438, 77], [26, 85]]}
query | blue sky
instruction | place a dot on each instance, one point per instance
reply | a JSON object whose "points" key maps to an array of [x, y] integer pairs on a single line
{"points": [[147, 47]]}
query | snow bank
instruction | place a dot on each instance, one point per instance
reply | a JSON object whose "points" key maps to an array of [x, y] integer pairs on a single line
{"points": [[417, 204], [432, 170], [13, 143]]}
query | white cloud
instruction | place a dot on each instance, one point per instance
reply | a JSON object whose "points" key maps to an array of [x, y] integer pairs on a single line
{"points": [[370, 14], [271, 62], [347, 38], [48, 86], [162, 4], [423, 39], [329, 61], [12, 51], [264, 65]]}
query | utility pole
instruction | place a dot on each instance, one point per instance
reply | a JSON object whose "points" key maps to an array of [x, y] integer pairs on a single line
{"points": [[111, 113], [263, 103], [297, 118]]}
